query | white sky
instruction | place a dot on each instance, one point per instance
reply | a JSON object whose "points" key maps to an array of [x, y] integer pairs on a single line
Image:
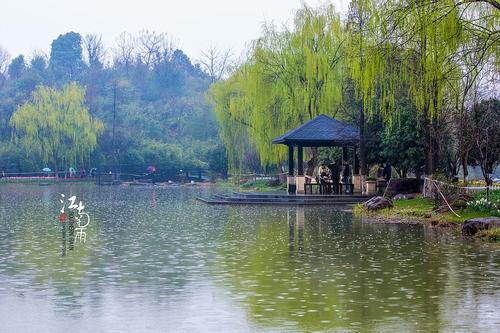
{"points": [[194, 25]]}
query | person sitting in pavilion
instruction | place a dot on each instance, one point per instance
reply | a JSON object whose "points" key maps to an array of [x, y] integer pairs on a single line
{"points": [[324, 178], [324, 174]]}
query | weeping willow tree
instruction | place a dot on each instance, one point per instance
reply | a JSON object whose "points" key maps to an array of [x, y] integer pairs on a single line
{"points": [[230, 107], [56, 126], [428, 38], [364, 63], [291, 76], [477, 58], [424, 36], [384, 48]]}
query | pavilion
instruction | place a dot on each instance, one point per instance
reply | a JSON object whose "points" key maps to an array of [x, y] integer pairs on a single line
{"points": [[322, 131]]}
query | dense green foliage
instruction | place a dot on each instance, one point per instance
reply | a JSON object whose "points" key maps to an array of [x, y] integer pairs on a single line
{"points": [[150, 99], [56, 127], [291, 77], [408, 73]]}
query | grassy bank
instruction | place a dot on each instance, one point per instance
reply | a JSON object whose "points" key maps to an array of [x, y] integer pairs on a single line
{"points": [[422, 210], [251, 186]]}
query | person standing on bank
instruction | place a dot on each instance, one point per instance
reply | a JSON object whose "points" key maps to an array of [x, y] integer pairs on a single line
{"points": [[335, 172], [387, 171], [346, 173], [380, 171]]}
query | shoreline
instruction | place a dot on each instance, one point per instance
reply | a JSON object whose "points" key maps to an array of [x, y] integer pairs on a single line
{"points": [[395, 219], [429, 219]]}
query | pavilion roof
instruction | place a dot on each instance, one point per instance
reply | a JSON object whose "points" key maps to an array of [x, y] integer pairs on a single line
{"points": [[321, 131]]}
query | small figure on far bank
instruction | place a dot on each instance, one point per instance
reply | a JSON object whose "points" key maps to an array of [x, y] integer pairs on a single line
{"points": [[387, 171], [346, 173]]}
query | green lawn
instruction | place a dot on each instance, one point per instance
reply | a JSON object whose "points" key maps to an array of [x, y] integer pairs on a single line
{"points": [[422, 208], [258, 186]]}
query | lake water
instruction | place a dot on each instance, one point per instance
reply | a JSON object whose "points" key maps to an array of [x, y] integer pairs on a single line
{"points": [[155, 260]]}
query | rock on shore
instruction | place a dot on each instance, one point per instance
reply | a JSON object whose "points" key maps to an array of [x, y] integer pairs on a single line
{"points": [[472, 226], [377, 203]]}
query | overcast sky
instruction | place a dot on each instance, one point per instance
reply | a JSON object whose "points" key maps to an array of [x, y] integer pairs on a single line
{"points": [[194, 25]]}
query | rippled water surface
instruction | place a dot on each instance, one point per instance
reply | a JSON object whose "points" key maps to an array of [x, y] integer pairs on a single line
{"points": [[156, 260]]}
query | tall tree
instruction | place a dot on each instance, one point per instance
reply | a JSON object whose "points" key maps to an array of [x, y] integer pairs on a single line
{"points": [[291, 77], [16, 67], [363, 54], [38, 62], [434, 37], [154, 47], [56, 126], [95, 53], [485, 125], [125, 50], [428, 35], [4, 62], [66, 60], [95, 50]]}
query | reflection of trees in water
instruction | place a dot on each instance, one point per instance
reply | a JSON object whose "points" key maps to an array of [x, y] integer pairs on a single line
{"points": [[290, 266], [315, 268], [40, 257], [133, 247]]}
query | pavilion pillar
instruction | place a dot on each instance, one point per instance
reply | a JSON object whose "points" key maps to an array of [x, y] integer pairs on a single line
{"points": [[300, 179], [356, 177], [290, 160], [291, 178], [356, 161], [344, 155], [300, 160]]}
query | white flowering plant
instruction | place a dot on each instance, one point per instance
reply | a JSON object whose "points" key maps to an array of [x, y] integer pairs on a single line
{"points": [[483, 205]]}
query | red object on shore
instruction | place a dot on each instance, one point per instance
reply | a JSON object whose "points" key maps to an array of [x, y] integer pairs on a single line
{"points": [[63, 217]]}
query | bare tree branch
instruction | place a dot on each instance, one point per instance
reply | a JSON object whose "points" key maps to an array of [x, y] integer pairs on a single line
{"points": [[124, 52], [154, 47], [4, 60], [216, 63], [95, 51]]}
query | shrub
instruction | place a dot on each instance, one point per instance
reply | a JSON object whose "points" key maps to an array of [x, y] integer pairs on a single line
{"points": [[482, 205], [247, 185]]}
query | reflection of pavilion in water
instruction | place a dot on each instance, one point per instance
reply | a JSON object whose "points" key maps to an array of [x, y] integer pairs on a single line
{"points": [[295, 218]]}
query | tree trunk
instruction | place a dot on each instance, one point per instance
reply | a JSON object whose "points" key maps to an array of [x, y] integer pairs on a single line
{"points": [[362, 150], [463, 158], [56, 168], [312, 162], [429, 138], [404, 173], [281, 174]]}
